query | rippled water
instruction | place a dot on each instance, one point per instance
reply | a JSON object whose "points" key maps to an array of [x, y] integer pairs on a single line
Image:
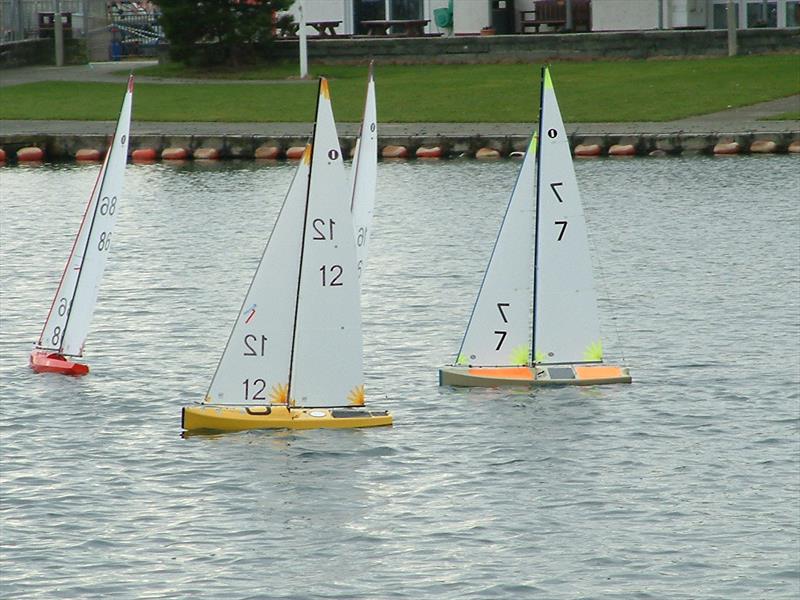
{"points": [[685, 484]]}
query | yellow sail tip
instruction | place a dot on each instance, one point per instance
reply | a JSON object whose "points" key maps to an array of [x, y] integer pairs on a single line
{"points": [[323, 88], [307, 155]]}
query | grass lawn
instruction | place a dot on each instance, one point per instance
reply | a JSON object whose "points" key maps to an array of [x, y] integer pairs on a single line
{"points": [[597, 91]]}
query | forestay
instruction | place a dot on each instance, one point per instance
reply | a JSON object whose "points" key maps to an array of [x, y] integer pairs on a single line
{"points": [[499, 329], [566, 328], [364, 174], [71, 312], [327, 354]]}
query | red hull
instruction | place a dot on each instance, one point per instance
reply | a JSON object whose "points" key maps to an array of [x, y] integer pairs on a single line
{"points": [[44, 362]]}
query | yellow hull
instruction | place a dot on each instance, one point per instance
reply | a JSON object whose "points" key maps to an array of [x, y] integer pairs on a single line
{"points": [[209, 417], [527, 376]]}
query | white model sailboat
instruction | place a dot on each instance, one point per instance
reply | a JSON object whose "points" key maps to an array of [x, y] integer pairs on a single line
{"points": [[541, 253], [294, 356], [67, 325], [364, 175]]}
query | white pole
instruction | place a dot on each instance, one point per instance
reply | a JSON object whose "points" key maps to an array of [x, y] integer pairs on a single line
{"points": [[58, 33], [303, 42], [731, 30]]}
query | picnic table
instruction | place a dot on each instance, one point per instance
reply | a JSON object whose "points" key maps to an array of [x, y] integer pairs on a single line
{"points": [[412, 27], [326, 29]]}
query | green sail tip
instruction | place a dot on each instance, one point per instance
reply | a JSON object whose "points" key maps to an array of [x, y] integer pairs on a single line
{"points": [[594, 351], [548, 83]]}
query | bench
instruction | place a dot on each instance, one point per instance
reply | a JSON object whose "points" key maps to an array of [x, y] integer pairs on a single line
{"points": [[411, 27]]}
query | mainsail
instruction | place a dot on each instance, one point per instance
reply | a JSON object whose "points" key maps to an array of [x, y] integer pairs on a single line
{"points": [[566, 327]]}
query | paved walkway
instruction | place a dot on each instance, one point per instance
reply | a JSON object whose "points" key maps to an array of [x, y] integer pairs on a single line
{"points": [[743, 120]]}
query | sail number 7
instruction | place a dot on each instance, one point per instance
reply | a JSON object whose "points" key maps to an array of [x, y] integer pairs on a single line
{"points": [[553, 187], [563, 229]]}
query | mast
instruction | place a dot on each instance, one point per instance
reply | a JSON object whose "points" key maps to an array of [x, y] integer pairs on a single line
{"points": [[538, 188], [322, 82]]}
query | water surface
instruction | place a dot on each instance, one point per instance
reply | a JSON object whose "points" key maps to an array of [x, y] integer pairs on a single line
{"points": [[685, 484]]}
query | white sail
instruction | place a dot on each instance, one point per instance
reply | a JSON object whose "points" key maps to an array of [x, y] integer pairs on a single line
{"points": [[499, 331], [326, 365], [71, 312], [567, 327], [364, 175], [254, 368]]}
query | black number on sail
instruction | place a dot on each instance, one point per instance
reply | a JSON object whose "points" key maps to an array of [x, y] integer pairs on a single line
{"points": [[108, 205], [251, 339], [335, 271], [552, 133], [563, 229], [320, 229], [333, 154], [502, 335], [259, 385], [56, 336], [361, 238], [62, 307], [555, 191], [105, 241], [500, 306]]}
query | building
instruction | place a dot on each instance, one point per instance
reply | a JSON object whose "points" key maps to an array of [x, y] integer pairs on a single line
{"points": [[469, 17]]}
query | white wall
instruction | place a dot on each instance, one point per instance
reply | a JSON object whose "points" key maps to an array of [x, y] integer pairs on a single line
{"points": [[470, 16], [623, 15]]}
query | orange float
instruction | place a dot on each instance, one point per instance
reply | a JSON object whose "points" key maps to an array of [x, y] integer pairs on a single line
{"points": [[2, 155], [394, 152], [144, 155], [206, 154], [763, 147], [30, 154], [268, 152], [487, 153], [726, 148], [584, 150], [295, 152], [622, 150], [794, 147], [174, 154], [426, 152], [88, 155]]}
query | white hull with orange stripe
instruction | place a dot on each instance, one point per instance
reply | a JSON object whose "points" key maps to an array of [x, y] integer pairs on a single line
{"points": [[530, 376], [535, 320]]}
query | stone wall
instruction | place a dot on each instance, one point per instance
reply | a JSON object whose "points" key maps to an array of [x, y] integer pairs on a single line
{"points": [[537, 47]]}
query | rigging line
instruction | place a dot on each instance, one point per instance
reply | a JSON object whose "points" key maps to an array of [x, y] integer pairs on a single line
{"points": [[537, 189], [303, 246]]}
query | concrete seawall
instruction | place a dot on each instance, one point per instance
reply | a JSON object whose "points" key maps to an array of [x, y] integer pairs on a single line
{"points": [[63, 147]]}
